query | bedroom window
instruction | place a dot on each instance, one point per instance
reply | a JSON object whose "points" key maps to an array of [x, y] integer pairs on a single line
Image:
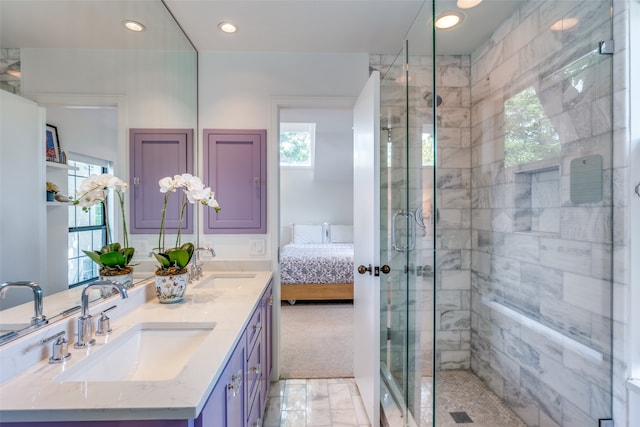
{"points": [[297, 144]]}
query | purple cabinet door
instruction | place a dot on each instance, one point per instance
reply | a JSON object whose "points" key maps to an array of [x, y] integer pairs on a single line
{"points": [[154, 154], [267, 307], [235, 167]]}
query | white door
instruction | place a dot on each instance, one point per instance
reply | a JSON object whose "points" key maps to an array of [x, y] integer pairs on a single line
{"points": [[366, 228]]}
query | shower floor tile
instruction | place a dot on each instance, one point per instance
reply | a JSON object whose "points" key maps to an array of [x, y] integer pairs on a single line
{"points": [[460, 391]]}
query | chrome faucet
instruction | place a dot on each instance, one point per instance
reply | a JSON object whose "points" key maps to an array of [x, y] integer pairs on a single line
{"points": [[85, 324], [153, 251], [196, 269], [38, 318]]}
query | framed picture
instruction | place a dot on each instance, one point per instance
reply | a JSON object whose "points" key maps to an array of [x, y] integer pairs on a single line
{"points": [[54, 154]]}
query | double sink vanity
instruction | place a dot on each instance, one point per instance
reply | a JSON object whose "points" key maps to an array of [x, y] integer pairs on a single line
{"points": [[205, 361]]}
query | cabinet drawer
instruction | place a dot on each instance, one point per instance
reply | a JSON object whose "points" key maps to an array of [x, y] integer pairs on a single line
{"points": [[254, 372], [255, 414], [254, 328]]}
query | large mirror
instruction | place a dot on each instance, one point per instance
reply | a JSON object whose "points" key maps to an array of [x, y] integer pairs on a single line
{"points": [[94, 79]]}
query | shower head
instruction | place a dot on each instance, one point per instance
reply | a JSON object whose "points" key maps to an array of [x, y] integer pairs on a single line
{"points": [[428, 97]]}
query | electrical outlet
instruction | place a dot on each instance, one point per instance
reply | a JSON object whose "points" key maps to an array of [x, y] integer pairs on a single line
{"points": [[605, 423], [256, 246]]}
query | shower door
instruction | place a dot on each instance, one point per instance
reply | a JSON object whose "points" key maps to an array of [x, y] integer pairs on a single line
{"points": [[406, 241]]}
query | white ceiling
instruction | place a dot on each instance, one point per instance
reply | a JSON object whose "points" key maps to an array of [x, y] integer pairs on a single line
{"points": [[336, 26]]}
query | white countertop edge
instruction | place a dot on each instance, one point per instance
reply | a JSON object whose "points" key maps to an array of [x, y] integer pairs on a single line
{"points": [[186, 404]]}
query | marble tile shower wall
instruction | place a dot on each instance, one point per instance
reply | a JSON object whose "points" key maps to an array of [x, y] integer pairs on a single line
{"points": [[533, 287], [453, 321]]}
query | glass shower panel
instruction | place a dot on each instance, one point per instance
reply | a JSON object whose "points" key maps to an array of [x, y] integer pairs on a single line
{"points": [[407, 224], [393, 294], [421, 199], [524, 210]]}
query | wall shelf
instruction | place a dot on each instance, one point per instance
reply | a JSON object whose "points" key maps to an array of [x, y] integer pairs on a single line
{"points": [[56, 165], [56, 204]]}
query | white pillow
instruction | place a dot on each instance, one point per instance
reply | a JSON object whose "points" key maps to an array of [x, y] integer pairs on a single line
{"points": [[341, 233], [303, 233]]}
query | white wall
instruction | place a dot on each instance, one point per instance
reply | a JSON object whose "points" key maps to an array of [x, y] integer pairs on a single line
{"points": [[89, 131], [236, 92], [324, 193], [159, 86], [149, 89], [22, 196]]}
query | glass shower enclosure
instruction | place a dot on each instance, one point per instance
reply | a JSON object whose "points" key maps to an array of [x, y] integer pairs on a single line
{"points": [[497, 217]]}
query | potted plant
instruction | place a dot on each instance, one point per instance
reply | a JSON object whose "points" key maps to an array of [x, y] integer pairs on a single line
{"points": [[113, 258], [171, 276], [52, 190]]}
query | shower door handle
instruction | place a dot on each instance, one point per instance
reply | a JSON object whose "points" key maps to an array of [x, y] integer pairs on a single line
{"points": [[362, 269], [384, 269], [411, 241]]}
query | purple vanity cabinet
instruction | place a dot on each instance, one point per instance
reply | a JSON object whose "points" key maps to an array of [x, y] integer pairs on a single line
{"points": [[226, 403], [235, 167], [267, 308], [154, 154]]}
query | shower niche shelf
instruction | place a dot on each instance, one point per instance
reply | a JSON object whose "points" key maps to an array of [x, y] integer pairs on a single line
{"points": [[537, 200]]}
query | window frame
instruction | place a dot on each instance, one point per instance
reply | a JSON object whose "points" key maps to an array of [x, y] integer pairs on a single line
{"points": [[74, 179], [298, 127]]}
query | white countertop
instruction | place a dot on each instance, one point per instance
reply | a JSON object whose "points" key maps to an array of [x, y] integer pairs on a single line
{"points": [[33, 395]]}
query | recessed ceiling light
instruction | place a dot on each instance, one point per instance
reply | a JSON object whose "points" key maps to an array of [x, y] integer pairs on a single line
{"points": [[134, 26], [227, 27], [468, 4], [448, 20], [564, 24]]}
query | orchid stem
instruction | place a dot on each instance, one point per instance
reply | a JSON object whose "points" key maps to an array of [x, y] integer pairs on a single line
{"points": [[184, 205]]}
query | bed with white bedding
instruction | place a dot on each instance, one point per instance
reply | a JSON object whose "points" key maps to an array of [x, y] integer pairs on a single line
{"points": [[317, 269]]}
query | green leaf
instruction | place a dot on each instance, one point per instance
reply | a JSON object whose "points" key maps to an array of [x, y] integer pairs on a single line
{"points": [[111, 259], [113, 247], [95, 257], [189, 248], [128, 254], [163, 259], [179, 257]]}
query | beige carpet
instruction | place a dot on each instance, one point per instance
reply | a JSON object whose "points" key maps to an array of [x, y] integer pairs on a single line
{"points": [[316, 340]]}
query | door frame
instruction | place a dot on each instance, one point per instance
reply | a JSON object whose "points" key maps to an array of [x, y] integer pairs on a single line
{"points": [[273, 204]]}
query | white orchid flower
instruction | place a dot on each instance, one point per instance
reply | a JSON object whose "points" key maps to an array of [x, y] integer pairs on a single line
{"points": [[192, 182], [167, 184], [212, 203], [198, 194]]}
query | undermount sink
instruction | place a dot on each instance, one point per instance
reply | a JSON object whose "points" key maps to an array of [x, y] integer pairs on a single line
{"points": [[224, 278], [232, 275], [146, 352]]}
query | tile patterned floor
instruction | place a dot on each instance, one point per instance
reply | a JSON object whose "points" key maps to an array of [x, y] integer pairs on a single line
{"points": [[337, 403], [315, 402]]}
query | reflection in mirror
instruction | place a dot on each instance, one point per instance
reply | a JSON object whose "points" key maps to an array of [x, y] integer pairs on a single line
{"points": [[93, 82]]}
